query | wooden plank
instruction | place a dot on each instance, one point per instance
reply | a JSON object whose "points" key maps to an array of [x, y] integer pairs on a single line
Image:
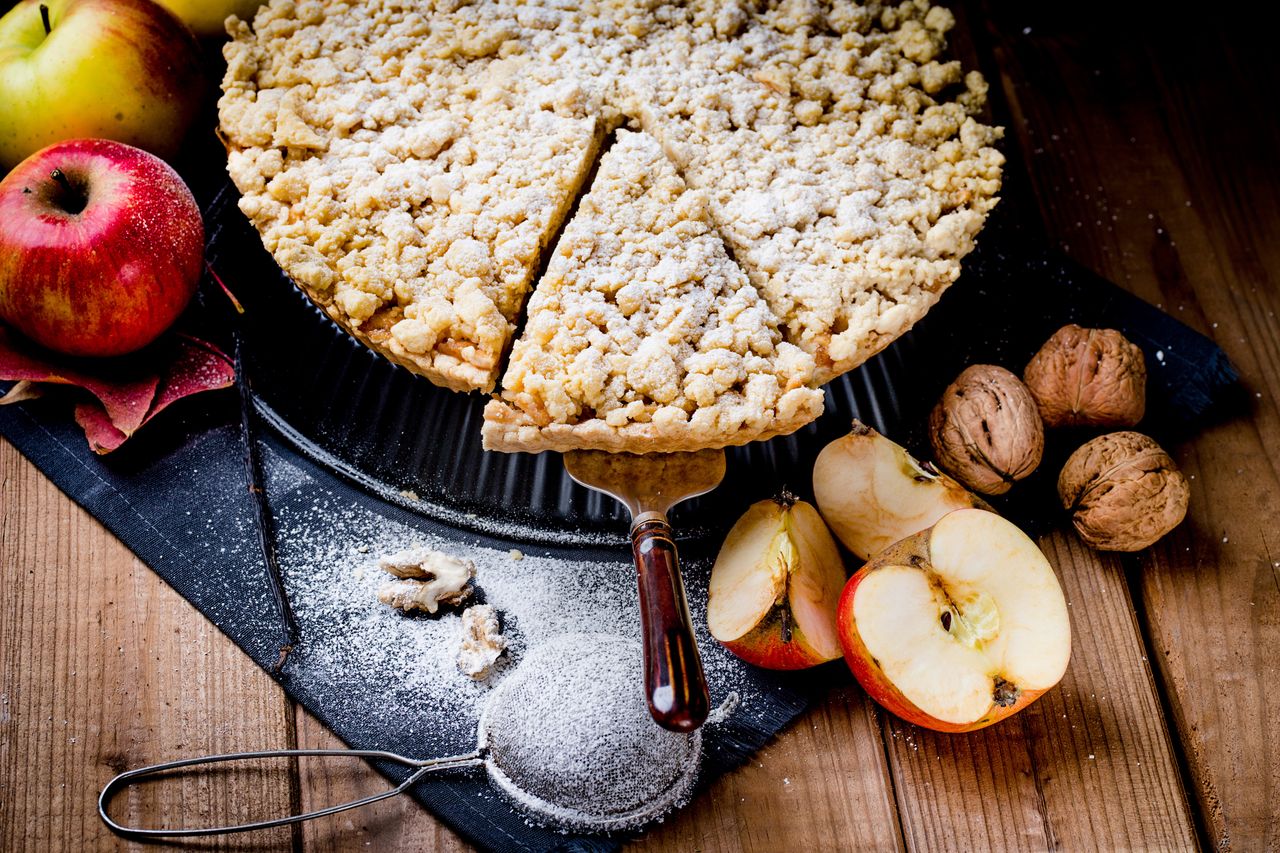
{"points": [[104, 667], [395, 824], [1092, 764], [821, 785], [1174, 195]]}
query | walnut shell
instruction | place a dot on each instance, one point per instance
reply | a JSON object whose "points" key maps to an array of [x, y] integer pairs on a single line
{"points": [[1088, 377], [986, 430], [1124, 492]]}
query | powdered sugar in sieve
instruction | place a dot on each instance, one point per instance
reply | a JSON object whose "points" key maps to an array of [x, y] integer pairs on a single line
{"points": [[567, 738]]}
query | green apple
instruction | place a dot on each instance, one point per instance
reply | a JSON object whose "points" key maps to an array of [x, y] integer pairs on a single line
{"points": [[126, 70], [209, 17]]}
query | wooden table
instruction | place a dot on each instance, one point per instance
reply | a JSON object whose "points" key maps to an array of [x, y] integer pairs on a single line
{"points": [[1150, 147]]}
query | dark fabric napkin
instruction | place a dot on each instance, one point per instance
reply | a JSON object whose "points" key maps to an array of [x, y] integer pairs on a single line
{"points": [[1010, 298]]}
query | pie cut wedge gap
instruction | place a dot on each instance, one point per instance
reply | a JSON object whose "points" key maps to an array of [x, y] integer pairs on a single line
{"points": [[643, 335]]}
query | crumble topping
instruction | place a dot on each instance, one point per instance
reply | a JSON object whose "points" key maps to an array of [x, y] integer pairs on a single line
{"points": [[407, 165], [844, 163], [405, 170], [643, 329]]}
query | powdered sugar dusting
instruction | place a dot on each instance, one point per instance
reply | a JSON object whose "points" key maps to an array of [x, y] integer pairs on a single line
{"points": [[393, 673]]}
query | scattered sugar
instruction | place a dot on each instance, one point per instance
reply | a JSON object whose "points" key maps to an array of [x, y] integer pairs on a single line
{"points": [[387, 672]]}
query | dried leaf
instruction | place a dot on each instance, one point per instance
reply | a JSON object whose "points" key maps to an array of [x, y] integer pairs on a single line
{"points": [[125, 399], [102, 435], [124, 403], [196, 366], [23, 389]]}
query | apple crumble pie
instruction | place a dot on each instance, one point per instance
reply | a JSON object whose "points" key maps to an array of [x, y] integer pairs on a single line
{"points": [[409, 166]]}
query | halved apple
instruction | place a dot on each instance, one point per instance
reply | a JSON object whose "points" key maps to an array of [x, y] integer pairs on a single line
{"points": [[958, 626], [873, 492], [775, 586]]}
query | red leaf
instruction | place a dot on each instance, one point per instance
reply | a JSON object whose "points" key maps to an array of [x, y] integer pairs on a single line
{"points": [[187, 366], [126, 400], [102, 436], [196, 366]]}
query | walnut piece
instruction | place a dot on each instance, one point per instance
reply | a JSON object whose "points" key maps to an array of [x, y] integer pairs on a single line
{"points": [[986, 430], [1124, 492], [1088, 377], [482, 641], [427, 579]]}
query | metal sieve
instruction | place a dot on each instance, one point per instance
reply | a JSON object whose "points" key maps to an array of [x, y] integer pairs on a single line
{"points": [[566, 738]]}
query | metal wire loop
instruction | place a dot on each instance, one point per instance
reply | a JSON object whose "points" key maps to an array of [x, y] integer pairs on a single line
{"points": [[133, 777]]}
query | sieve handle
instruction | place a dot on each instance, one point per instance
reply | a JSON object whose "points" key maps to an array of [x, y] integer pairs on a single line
{"points": [[674, 684], [132, 777]]}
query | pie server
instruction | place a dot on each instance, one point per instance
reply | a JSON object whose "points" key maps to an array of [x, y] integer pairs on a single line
{"points": [[649, 485]]}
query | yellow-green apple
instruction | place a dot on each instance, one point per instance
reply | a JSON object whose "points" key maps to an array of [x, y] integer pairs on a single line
{"points": [[119, 69], [209, 17], [101, 247], [958, 626], [775, 585], [873, 493]]}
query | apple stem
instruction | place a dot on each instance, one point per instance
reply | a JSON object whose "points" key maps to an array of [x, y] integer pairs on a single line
{"points": [[68, 196], [44, 19]]}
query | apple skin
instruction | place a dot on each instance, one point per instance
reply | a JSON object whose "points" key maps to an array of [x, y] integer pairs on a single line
{"points": [[766, 645], [111, 278], [208, 17], [867, 670], [117, 69]]}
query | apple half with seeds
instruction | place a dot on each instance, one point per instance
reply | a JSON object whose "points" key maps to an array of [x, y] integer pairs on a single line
{"points": [[958, 626], [775, 586], [873, 492]]}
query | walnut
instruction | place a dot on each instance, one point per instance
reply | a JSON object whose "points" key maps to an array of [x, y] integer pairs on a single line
{"points": [[986, 430], [1124, 492], [1088, 377], [482, 641], [427, 579]]}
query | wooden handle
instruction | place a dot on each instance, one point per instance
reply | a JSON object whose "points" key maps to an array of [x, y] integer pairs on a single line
{"points": [[673, 681]]}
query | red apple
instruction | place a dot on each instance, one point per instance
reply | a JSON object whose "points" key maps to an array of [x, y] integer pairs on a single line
{"points": [[775, 585], [958, 626], [101, 247], [120, 69]]}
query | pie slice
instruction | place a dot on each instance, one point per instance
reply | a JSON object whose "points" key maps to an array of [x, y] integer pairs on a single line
{"points": [[407, 175], [644, 335]]}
